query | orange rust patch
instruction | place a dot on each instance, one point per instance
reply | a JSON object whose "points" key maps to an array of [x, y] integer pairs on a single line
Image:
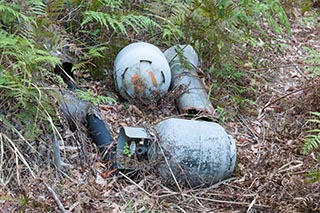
{"points": [[137, 82], [135, 78], [153, 78]]}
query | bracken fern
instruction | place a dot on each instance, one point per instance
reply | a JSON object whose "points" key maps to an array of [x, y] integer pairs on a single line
{"points": [[25, 110], [312, 141], [113, 15]]}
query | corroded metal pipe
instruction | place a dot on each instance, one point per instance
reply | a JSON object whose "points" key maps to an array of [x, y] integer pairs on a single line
{"points": [[183, 61]]}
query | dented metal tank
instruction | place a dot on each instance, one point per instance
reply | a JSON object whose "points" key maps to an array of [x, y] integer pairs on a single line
{"points": [[198, 152], [184, 61], [141, 72]]}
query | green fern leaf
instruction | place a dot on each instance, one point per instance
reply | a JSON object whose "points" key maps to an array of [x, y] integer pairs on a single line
{"points": [[7, 13], [312, 141]]}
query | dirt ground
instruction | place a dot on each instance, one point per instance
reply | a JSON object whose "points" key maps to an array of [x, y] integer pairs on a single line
{"points": [[270, 175]]}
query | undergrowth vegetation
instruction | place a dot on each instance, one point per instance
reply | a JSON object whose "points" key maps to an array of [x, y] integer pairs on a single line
{"points": [[312, 140], [94, 31]]}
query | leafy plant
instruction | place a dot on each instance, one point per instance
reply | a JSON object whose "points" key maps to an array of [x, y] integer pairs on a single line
{"points": [[227, 72], [215, 27], [312, 140], [126, 150], [313, 59], [221, 114], [26, 110], [22, 65], [313, 176], [87, 96], [103, 27], [304, 6]]}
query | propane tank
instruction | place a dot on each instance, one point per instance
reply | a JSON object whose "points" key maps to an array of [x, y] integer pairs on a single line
{"points": [[141, 72], [199, 153]]}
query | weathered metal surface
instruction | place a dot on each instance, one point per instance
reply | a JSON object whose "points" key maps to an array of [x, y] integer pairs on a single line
{"points": [[141, 72], [198, 152], [100, 135], [133, 145], [73, 109], [183, 61], [78, 112]]}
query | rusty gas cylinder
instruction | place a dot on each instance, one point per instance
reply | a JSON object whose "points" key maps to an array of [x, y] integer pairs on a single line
{"points": [[141, 72]]}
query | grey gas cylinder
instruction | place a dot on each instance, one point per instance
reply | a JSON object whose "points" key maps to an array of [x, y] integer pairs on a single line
{"points": [[184, 61], [141, 72], [198, 152]]}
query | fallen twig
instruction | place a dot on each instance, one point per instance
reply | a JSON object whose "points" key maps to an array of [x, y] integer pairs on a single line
{"points": [[290, 166], [169, 167], [298, 68], [56, 198], [251, 204], [281, 97], [231, 202], [137, 185], [214, 186]]}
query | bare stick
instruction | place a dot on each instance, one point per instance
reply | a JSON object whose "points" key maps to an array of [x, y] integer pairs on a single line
{"points": [[298, 68], [282, 97], [173, 176], [232, 202], [56, 152], [55, 197], [208, 189], [137, 185], [251, 204]]}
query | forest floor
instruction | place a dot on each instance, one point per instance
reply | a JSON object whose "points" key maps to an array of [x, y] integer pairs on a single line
{"points": [[271, 170]]}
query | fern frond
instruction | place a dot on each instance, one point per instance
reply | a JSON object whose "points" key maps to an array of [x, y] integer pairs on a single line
{"points": [[312, 141], [37, 8], [7, 14], [139, 21], [179, 14], [113, 4], [27, 31], [102, 18], [313, 59], [120, 24], [87, 96]]}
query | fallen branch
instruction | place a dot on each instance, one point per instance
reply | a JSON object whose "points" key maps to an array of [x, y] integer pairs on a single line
{"points": [[137, 185], [232, 202], [281, 97], [56, 198]]}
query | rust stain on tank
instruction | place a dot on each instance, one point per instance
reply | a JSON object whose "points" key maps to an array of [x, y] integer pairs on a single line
{"points": [[137, 82], [153, 78]]}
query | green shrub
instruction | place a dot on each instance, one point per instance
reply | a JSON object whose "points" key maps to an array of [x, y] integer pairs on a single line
{"points": [[26, 110], [23, 68], [312, 140], [101, 28], [217, 27]]}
